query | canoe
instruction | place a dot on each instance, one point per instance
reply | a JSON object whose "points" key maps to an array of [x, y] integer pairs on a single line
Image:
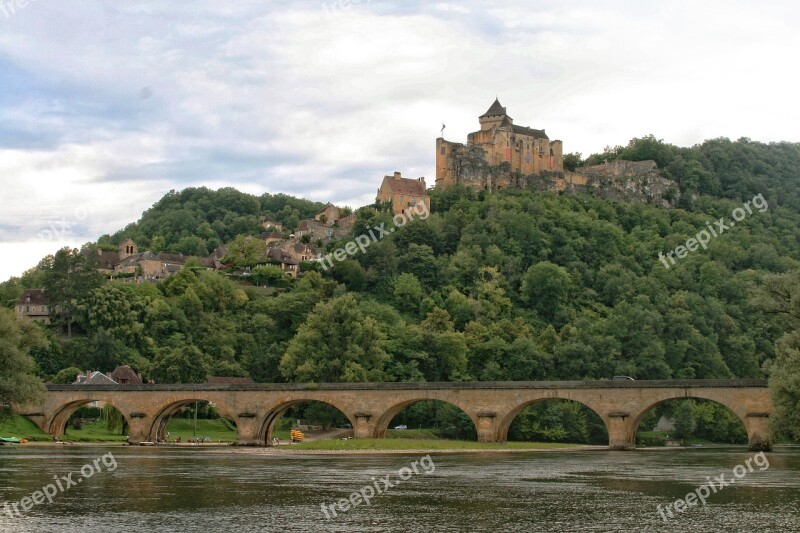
{"points": [[9, 440]]}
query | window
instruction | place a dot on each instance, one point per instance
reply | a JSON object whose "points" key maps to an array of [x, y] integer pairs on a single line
{"points": [[442, 150]]}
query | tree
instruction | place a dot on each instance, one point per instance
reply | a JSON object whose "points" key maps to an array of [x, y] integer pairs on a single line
{"points": [[336, 343], [407, 292], [67, 278], [544, 288], [683, 418], [67, 376], [572, 161], [784, 384], [270, 275], [780, 295], [186, 364], [245, 252], [351, 273], [18, 381]]}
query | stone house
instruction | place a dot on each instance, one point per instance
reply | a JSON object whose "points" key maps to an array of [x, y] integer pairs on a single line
{"points": [[33, 305], [404, 194], [329, 214], [289, 255], [271, 225]]}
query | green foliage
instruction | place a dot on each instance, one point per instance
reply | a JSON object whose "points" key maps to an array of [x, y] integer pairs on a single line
{"points": [[245, 252], [67, 277], [195, 221], [684, 420], [67, 376], [449, 421], [408, 293], [336, 343], [18, 381], [186, 364], [115, 422], [544, 288], [558, 421], [270, 275], [572, 161]]}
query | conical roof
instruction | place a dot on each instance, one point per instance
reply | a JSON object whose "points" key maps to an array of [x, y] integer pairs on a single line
{"points": [[495, 110]]}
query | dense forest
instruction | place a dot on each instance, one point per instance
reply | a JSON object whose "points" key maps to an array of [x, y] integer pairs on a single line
{"points": [[505, 285]]}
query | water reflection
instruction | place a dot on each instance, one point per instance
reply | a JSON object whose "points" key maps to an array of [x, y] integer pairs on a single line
{"points": [[216, 490]]}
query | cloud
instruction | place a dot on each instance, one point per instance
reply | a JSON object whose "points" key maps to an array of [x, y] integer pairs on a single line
{"points": [[112, 104]]}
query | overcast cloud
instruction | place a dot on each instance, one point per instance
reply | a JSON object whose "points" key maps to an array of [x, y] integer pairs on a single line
{"points": [[105, 106]]}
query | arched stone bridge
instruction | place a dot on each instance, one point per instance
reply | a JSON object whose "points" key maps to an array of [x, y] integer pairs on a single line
{"points": [[370, 407]]}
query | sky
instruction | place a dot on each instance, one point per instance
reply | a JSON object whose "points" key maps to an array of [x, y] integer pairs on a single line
{"points": [[105, 106]]}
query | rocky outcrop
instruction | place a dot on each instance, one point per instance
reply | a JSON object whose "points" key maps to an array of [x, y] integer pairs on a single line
{"points": [[627, 181]]}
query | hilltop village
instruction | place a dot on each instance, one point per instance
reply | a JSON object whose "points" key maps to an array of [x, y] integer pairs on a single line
{"points": [[499, 155]]}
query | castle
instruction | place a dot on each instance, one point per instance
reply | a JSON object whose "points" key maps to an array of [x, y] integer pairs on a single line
{"points": [[502, 155], [499, 148]]}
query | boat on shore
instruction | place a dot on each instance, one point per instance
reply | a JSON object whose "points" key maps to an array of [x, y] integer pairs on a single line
{"points": [[9, 440]]}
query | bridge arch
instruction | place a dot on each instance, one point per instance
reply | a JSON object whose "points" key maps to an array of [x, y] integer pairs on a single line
{"points": [[382, 424], [57, 423], [506, 421], [649, 406], [270, 416], [158, 426]]}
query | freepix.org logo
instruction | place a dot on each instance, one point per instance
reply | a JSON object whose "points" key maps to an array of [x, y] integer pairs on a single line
{"points": [[360, 243], [716, 229], [9, 8], [60, 485]]}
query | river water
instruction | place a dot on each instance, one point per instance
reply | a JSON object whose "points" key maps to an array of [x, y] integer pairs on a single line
{"points": [[168, 489]]}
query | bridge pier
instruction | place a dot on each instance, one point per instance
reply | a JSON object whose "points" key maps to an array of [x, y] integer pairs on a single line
{"points": [[364, 426], [246, 429], [620, 434], [487, 427], [139, 428], [757, 426]]}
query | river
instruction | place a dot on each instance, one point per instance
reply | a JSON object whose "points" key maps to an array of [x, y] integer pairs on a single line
{"points": [[169, 489]]}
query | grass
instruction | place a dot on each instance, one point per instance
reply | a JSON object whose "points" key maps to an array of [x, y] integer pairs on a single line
{"points": [[91, 432], [390, 443], [22, 428], [412, 434]]}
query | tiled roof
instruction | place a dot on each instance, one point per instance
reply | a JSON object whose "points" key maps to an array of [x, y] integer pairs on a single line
{"points": [[95, 378], [321, 211], [495, 110], [33, 296], [404, 186], [536, 134], [125, 374]]}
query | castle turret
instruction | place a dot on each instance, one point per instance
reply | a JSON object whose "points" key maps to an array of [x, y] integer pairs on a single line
{"points": [[495, 116]]}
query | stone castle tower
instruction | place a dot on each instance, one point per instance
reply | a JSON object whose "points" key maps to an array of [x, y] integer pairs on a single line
{"points": [[495, 151]]}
